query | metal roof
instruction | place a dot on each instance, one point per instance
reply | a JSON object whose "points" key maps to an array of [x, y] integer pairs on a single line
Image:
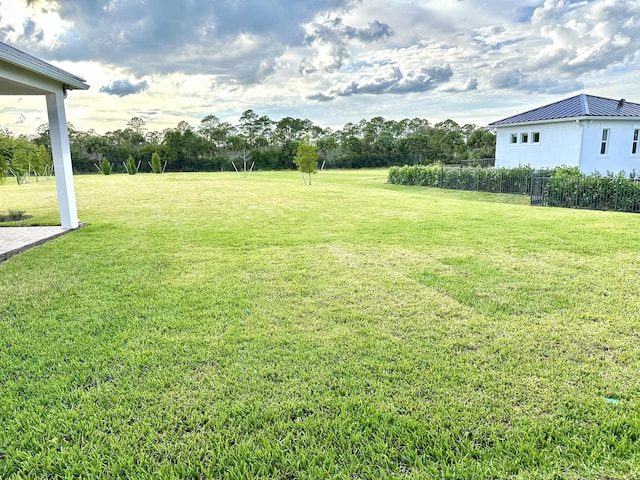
{"points": [[17, 57], [582, 105]]}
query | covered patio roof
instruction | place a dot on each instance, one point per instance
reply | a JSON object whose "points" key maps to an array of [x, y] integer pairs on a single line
{"points": [[23, 74]]}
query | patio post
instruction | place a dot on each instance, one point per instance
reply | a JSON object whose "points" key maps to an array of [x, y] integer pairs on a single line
{"points": [[61, 152]]}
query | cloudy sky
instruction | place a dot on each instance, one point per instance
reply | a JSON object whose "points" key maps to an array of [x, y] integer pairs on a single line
{"points": [[331, 61]]}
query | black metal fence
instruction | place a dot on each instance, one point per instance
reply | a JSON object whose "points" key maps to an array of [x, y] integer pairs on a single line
{"points": [[594, 193], [550, 188], [501, 180]]}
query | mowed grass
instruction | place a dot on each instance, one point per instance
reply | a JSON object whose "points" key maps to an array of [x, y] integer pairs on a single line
{"points": [[215, 326]]}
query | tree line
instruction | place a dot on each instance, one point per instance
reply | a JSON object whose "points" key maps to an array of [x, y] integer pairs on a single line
{"points": [[266, 144]]}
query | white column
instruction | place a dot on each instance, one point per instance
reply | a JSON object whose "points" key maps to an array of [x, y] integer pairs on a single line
{"points": [[61, 152]]}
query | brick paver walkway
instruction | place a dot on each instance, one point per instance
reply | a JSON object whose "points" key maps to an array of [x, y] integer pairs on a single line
{"points": [[17, 239]]}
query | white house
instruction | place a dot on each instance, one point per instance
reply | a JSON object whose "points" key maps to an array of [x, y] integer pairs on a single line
{"points": [[592, 133], [23, 74]]}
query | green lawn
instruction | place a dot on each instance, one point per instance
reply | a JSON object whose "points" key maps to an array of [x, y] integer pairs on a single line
{"points": [[215, 326]]}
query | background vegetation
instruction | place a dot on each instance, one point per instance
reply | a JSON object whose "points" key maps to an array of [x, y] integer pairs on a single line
{"points": [[216, 326], [271, 145]]}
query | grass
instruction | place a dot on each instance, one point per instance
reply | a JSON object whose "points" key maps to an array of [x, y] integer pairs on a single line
{"points": [[213, 326]]}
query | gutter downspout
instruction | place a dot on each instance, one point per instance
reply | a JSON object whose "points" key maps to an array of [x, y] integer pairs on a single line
{"points": [[584, 104]]}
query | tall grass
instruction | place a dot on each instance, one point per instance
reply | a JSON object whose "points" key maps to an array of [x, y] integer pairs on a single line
{"points": [[216, 326]]}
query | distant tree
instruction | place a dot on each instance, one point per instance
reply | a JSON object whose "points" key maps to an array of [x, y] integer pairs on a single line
{"points": [[183, 149], [328, 146], [307, 160], [217, 133], [41, 161], [14, 155], [448, 138], [291, 129], [420, 149], [42, 136], [137, 125], [482, 143], [239, 149], [467, 129], [183, 127]]}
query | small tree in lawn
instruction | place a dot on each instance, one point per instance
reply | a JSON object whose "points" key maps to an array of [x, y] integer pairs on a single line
{"points": [[105, 167], [156, 165], [306, 159], [130, 166]]}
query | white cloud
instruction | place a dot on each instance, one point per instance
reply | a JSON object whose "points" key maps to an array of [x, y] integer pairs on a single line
{"points": [[586, 36], [334, 60]]}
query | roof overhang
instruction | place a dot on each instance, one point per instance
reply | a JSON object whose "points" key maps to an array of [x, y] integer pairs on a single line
{"points": [[584, 118], [19, 68]]}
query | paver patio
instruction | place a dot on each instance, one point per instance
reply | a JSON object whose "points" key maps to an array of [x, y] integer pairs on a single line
{"points": [[14, 240]]}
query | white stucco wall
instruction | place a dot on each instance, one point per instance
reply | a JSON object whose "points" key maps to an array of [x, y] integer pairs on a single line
{"points": [[559, 145], [618, 156]]}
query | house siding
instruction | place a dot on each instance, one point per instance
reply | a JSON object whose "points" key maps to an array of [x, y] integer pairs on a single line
{"points": [[559, 145], [618, 157]]}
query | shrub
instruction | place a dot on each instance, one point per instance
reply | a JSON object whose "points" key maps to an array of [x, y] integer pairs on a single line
{"points": [[12, 215], [421, 175], [566, 171], [105, 167], [130, 166], [156, 165]]}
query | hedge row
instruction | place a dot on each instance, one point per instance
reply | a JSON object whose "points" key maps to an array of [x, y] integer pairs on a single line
{"points": [[562, 187], [502, 180], [593, 192]]}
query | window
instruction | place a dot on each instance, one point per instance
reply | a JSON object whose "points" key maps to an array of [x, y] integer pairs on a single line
{"points": [[514, 138], [634, 144], [535, 137], [524, 138], [604, 144]]}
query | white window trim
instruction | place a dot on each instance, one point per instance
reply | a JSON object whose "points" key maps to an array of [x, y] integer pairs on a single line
{"points": [[606, 141], [532, 137], [635, 142]]}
